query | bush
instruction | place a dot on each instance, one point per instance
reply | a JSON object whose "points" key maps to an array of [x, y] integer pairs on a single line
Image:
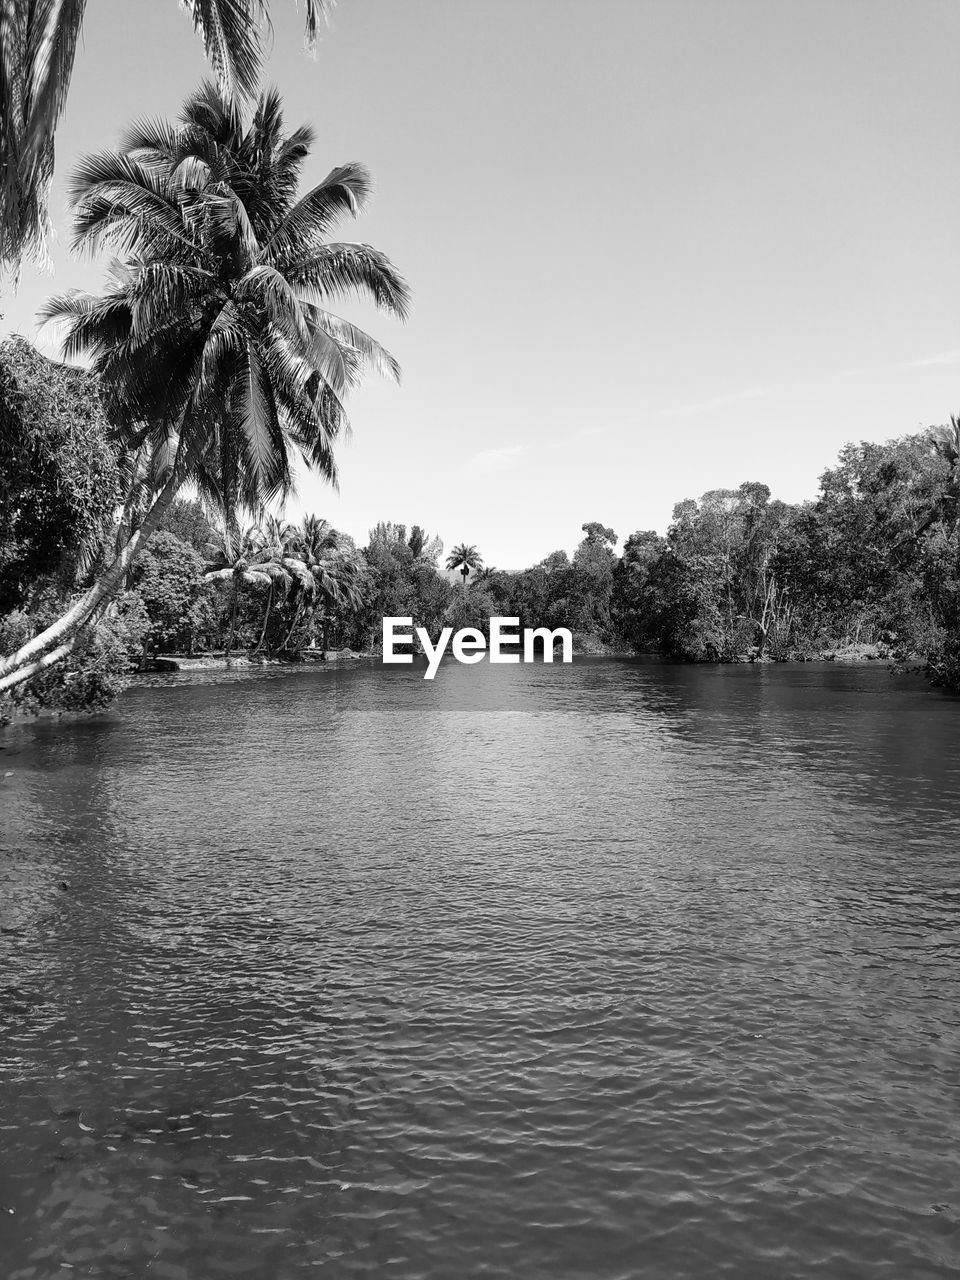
{"points": [[93, 674]]}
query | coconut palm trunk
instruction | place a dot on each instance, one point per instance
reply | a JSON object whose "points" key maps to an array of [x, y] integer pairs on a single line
{"points": [[266, 620], [298, 613], [232, 628]]}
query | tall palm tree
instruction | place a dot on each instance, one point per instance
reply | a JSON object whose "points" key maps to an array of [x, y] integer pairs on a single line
{"points": [[38, 41], [211, 339], [465, 558], [280, 551], [342, 586], [337, 578], [243, 561]]}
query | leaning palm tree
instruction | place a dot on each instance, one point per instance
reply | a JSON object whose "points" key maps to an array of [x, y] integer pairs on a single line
{"points": [[38, 41], [465, 558], [211, 340]]}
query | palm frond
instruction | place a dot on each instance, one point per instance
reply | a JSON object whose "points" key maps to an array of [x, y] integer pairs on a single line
{"points": [[339, 270], [232, 42], [345, 190], [344, 333], [38, 42], [266, 288]]}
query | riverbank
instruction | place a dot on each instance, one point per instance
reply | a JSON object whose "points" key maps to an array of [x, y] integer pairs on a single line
{"points": [[181, 664], [218, 662]]}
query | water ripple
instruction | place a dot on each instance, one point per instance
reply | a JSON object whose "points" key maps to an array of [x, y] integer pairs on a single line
{"points": [[607, 971]]}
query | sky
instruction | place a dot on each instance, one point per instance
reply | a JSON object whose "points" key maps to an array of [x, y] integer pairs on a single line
{"points": [[655, 247]]}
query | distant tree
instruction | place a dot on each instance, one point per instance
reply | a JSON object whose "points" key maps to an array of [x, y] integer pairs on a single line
{"points": [[187, 520], [473, 608], [335, 586], [247, 561], [424, 547], [555, 561], [465, 558], [592, 580], [866, 534], [417, 540], [168, 580], [400, 585], [638, 605]]}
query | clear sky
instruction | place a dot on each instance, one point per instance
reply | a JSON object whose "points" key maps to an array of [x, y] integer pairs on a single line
{"points": [[656, 246]]}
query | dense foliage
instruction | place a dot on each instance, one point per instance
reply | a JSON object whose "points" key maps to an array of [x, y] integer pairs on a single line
{"points": [[59, 474], [872, 562], [871, 566]]}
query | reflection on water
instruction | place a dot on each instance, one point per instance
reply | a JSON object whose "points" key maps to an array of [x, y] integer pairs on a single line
{"points": [[609, 970]]}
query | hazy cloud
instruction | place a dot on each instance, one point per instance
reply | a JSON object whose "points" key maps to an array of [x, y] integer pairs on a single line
{"points": [[941, 358], [720, 402], [490, 460], [604, 429]]}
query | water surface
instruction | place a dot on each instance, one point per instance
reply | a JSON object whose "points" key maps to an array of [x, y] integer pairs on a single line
{"points": [[612, 970]]}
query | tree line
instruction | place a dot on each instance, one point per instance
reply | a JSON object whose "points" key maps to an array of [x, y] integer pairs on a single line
{"points": [[872, 561]]}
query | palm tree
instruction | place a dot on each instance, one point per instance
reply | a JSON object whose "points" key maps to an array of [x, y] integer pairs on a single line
{"points": [[946, 444], [210, 340], [241, 562], [337, 576], [465, 558], [279, 551], [342, 584], [38, 41]]}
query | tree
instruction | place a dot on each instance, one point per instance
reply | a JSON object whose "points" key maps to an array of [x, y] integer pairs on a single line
{"points": [[400, 584], [945, 445], [466, 559], [210, 340], [333, 577], [637, 605], [38, 41], [59, 475], [867, 533], [279, 551], [427, 549], [556, 561], [168, 581], [243, 561], [187, 520], [473, 608], [592, 579]]}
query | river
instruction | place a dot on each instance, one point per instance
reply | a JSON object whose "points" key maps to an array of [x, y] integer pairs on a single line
{"points": [[609, 970]]}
